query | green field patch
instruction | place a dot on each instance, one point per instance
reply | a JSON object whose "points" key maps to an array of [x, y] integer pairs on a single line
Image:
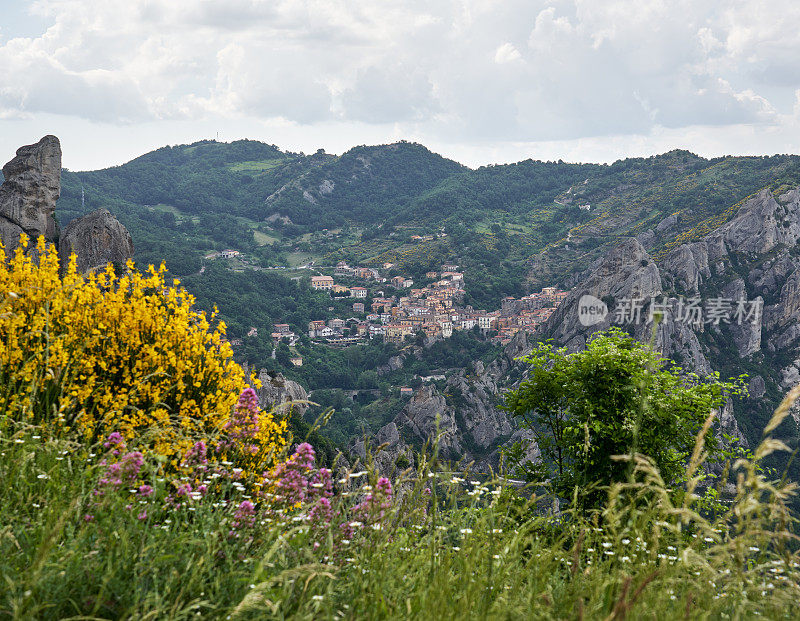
{"points": [[262, 239], [295, 259], [256, 165]]}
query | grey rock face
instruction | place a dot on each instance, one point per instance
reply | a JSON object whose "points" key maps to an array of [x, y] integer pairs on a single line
{"points": [[627, 271], [28, 201], [747, 334], [761, 225], [280, 393], [97, 239], [756, 387], [666, 224], [472, 429], [393, 364], [688, 266], [31, 186], [420, 417]]}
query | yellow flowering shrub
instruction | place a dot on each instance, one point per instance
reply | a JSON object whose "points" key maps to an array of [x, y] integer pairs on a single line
{"points": [[94, 353]]}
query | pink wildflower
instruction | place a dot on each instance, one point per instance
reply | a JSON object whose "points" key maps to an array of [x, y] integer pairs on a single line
{"points": [[322, 484], [197, 456], [242, 427], [321, 514], [245, 517], [116, 442], [291, 477], [374, 506]]}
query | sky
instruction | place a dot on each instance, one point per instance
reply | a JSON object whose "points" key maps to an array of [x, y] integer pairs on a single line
{"points": [[480, 81]]}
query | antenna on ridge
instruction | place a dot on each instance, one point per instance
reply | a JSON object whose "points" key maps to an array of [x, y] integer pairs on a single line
{"points": [[83, 199]]}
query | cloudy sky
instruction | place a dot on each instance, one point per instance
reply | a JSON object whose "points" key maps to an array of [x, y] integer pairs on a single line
{"points": [[480, 81]]}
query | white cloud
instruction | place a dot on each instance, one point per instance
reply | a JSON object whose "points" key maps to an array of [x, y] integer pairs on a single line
{"points": [[506, 53], [471, 72]]}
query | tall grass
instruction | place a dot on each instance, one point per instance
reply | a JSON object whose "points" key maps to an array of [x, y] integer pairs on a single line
{"points": [[449, 547]]}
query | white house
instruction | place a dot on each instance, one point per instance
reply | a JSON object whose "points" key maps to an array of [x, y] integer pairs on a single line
{"points": [[485, 322]]}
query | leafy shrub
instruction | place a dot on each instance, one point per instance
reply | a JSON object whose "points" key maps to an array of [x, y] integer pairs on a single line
{"points": [[105, 352]]}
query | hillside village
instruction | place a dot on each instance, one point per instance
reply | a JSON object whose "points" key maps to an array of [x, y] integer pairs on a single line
{"points": [[394, 310]]}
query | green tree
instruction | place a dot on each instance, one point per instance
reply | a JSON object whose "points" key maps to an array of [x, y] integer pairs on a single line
{"points": [[616, 397]]}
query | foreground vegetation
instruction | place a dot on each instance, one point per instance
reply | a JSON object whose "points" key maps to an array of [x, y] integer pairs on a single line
{"points": [[178, 519]]}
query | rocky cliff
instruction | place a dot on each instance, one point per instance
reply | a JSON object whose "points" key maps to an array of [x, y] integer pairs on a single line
{"points": [[464, 418], [28, 195], [754, 258], [280, 393], [96, 240], [31, 186]]}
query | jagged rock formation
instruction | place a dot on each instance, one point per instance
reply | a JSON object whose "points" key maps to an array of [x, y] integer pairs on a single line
{"points": [[96, 239], [753, 257], [31, 187], [627, 271], [280, 393], [464, 417]]}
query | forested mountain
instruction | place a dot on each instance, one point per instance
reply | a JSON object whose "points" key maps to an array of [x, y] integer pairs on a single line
{"points": [[674, 224], [540, 219]]}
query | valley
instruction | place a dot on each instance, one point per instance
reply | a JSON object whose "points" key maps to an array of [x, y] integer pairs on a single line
{"points": [[408, 220]]}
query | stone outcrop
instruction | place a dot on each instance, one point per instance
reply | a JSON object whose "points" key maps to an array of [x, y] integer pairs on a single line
{"points": [[281, 394], [420, 416], [96, 239], [753, 257], [627, 271], [31, 187], [762, 224], [465, 415]]}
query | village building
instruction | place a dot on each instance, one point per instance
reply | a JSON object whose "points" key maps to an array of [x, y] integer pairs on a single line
{"points": [[468, 323], [485, 322], [358, 292], [358, 307], [277, 337], [314, 327], [229, 254], [342, 269], [322, 282], [336, 324], [395, 333], [365, 273], [405, 391]]}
